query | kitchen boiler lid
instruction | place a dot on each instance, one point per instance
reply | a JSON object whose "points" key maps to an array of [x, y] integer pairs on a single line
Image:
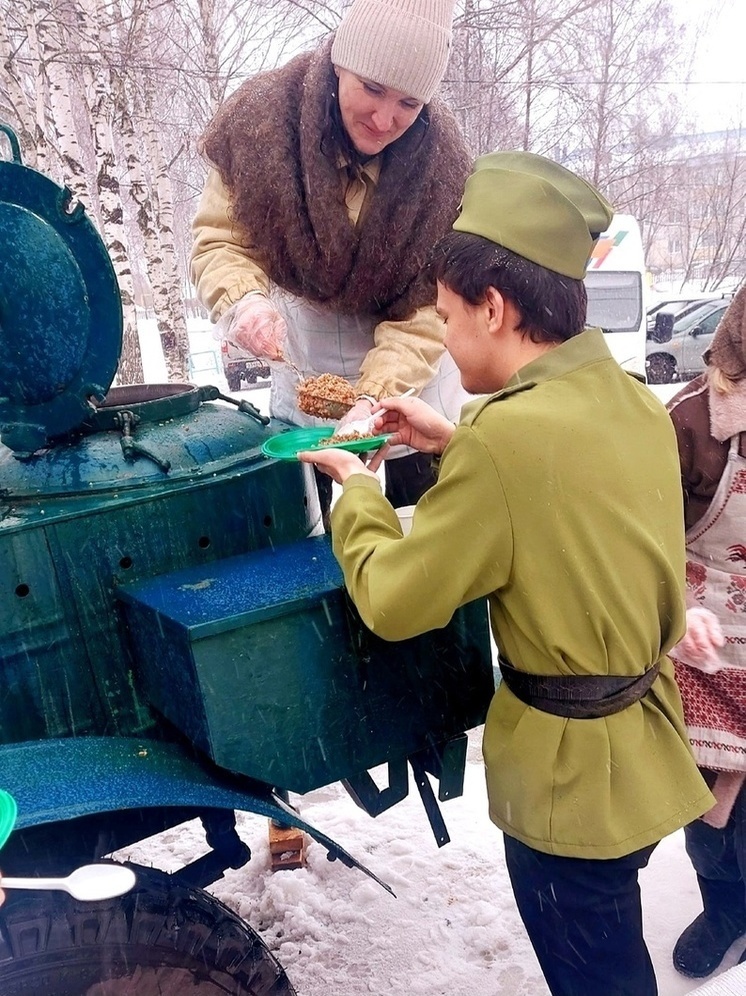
{"points": [[60, 309]]}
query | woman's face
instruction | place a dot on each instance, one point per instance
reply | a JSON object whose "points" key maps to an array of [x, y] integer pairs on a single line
{"points": [[373, 116]]}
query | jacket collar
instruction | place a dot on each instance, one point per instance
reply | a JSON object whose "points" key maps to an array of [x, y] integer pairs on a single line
{"points": [[580, 351]]}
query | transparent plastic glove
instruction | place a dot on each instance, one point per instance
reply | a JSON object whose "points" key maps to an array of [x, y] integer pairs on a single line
{"points": [[703, 638], [258, 328], [358, 419], [352, 423]]}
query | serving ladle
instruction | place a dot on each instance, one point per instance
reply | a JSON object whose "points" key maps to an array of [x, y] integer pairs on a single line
{"points": [[88, 883]]}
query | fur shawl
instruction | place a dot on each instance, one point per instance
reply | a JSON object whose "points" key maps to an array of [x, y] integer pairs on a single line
{"points": [[287, 200], [728, 348], [728, 412]]}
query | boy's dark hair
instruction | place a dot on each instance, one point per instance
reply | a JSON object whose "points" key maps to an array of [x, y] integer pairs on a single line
{"points": [[553, 307]]}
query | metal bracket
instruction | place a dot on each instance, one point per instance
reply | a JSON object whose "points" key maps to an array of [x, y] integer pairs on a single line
{"points": [[366, 794], [128, 422], [434, 815], [227, 850], [211, 393], [445, 761]]}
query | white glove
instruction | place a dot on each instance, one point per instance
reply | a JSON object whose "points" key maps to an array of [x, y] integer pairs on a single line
{"points": [[703, 637], [258, 327]]}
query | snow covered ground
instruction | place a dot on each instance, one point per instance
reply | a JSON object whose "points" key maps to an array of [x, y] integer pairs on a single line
{"points": [[453, 928]]}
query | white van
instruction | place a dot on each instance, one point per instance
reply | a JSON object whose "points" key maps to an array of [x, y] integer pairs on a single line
{"points": [[617, 292]]}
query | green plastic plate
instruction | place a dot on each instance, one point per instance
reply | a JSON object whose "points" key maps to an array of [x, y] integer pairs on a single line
{"points": [[8, 812], [288, 445]]}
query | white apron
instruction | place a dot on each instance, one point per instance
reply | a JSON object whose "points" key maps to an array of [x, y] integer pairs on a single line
{"points": [[321, 341], [715, 704]]}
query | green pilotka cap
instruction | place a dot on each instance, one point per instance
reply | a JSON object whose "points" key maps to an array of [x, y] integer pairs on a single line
{"points": [[536, 208]]}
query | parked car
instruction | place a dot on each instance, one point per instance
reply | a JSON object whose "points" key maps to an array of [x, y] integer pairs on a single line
{"points": [[238, 366], [677, 342], [680, 304]]}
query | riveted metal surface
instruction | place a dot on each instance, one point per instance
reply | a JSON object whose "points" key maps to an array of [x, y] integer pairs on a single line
{"points": [[63, 646], [213, 440]]}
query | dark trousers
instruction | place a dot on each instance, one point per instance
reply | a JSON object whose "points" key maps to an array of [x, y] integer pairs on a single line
{"points": [[406, 481], [584, 920], [718, 856]]}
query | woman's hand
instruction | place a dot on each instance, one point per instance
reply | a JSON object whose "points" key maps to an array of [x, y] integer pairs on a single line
{"points": [[338, 464], [702, 640], [360, 412], [258, 327], [413, 423]]}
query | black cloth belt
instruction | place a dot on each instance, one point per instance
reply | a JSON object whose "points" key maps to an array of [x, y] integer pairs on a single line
{"points": [[577, 696]]}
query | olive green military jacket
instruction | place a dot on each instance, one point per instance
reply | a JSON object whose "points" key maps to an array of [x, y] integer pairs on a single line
{"points": [[559, 499]]}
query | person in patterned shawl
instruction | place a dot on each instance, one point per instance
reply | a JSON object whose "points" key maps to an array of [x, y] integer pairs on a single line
{"points": [[709, 415]]}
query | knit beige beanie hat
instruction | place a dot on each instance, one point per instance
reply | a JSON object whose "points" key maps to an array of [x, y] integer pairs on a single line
{"points": [[402, 44]]}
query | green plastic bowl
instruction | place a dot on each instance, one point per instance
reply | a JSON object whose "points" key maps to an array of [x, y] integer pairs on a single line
{"points": [[287, 445], [8, 813]]}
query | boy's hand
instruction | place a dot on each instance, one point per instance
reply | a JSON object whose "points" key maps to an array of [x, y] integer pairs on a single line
{"points": [[338, 464], [413, 423]]}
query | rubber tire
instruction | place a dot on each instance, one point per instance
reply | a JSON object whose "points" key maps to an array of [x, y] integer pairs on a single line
{"points": [[160, 938], [661, 369], [234, 381]]}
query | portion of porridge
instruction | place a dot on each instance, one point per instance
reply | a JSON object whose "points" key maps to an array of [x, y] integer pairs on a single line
{"points": [[346, 437], [326, 396]]}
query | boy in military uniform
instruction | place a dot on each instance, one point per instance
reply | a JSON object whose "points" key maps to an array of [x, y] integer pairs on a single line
{"points": [[558, 499]]}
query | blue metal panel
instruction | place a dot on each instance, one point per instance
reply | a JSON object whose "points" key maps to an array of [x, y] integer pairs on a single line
{"points": [[239, 591], [58, 780], [262, 662]]}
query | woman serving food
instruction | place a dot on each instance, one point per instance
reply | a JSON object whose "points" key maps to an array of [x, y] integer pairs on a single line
{"points": [[330, 180]]}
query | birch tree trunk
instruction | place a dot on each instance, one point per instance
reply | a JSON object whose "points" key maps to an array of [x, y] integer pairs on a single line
{"points": [[155, 210], [40, 138], [59, 87], [97, 35], [171, 317], [160, 256], [16, 96], [210, 48]]}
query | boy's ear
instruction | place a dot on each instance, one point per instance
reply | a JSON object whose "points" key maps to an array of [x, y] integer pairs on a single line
{"points": [[495, 304]]}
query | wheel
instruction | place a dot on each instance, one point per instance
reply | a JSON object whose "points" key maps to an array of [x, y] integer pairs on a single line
{"points": [[161, 938], [661, 368], [234, 380]]}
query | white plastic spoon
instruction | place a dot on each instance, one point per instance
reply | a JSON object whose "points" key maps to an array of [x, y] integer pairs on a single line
{"points": [[364, 425], [89, 883]]}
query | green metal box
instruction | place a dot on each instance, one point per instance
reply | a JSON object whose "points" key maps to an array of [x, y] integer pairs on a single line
{"points": [[262, 662]]}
